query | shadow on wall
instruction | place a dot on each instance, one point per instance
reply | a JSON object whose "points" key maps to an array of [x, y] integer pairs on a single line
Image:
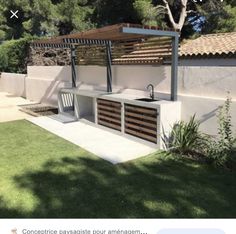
{"points": [[131, 77], [138, 77], [209, 115], [43, 88], [208, 81], [206, 111], [87, 187]]}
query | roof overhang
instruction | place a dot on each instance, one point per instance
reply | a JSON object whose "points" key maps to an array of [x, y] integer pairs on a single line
{"points": [[117, 32]]}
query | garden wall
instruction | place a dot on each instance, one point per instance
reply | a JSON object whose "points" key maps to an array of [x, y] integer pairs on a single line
{"points": [[202, 89], [13, 83], [44, 82]]}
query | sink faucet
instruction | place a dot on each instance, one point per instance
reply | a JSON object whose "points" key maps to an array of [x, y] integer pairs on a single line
{"points": [[151, 91]]}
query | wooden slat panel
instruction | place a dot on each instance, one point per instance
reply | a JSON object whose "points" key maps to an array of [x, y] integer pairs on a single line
{"points": [[109, 103], [109, 108], [140, 128], [141, 135], [111, 119], [115, 115], [110, 125], [141, 48], [141, 109], [141, 122], [137, 62], [154, 47], [142, 44], [142, 117], [137, 121], [148, 56], [109, 113]]}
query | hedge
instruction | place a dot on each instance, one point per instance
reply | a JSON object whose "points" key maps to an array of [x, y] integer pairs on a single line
{"points": [[14, 55]]}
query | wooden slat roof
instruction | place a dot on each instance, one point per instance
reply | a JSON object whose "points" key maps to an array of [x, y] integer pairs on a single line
{"points": [[131, 44], [112, 33]]}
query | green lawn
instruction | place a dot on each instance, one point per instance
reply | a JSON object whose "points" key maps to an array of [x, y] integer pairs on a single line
{"points": [[42, 175]]}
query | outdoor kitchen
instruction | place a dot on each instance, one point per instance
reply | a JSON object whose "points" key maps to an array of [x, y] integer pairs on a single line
{"points": [[140, 115], [134, 116]]}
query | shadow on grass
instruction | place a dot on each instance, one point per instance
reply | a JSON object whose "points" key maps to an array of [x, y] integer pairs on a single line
{"points": [[88, 188]]}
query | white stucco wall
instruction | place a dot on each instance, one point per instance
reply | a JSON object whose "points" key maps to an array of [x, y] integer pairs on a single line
{"points": [[208, 81], [43, 82], [205, 109], [201, 89], [212, 81], [13, 83]]}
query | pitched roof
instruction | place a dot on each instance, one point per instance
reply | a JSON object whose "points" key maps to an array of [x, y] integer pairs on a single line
{"points": [[219, 44]]}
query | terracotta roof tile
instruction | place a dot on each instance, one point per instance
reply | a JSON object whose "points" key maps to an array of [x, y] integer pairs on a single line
{"points": [[211, 44]]}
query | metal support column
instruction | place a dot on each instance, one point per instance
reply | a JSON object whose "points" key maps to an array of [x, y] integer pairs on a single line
{"points": [[109, 72], [73, 69], [174, 68]]}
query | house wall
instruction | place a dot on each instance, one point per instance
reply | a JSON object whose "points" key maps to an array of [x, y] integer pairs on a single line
{"points": [[13, 83], [206, 62]]}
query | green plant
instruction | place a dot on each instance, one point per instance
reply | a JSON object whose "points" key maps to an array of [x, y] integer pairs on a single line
{"points": [[14, 55], [186, 138], [221, 148]]}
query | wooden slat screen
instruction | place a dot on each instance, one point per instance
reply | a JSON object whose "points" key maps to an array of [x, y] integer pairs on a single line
{"points": [[109, 114], [146, 51], [91, 55], [143, 51], [141, 122]]}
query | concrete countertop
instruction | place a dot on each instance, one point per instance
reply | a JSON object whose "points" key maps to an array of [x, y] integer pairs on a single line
{"points": [[84, 92], [119, 97], [130, 99]]}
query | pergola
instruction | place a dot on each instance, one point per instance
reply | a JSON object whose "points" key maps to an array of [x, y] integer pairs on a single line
{"points": [[120, 44]]}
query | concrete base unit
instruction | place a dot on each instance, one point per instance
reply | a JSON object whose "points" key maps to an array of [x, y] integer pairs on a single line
{"points": [[123, 114]]}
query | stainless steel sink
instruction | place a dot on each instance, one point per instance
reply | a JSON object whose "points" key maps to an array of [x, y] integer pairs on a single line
{"points": [[147, 100]]}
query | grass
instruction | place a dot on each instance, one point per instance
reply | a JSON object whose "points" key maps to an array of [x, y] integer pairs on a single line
{"points": [[42, 175]]}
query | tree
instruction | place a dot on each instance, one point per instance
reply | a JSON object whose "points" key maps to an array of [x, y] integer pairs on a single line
{"points": [[225, 21], [175, 11], [34, 18], [177, 25], [187, 16], [148, 14], [44, 17], [114, 11], [74, 15]]}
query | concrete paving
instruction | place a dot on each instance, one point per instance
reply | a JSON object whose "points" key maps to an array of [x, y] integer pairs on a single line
{"points": [[104, 144], [10, 107]]}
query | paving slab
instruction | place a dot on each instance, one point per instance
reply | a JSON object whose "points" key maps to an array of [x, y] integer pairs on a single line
{"points": [[107, 145], [10, 107]]}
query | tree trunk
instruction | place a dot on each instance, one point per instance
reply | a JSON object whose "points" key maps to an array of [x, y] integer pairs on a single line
{"points": [[183, 14]]}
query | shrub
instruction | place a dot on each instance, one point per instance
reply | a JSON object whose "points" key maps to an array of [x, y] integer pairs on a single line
{"points": [[220, 149], [14, 55], [186, 138]]}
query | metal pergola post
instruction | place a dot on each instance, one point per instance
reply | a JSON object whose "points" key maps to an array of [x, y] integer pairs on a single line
{"points": [[109, 62], [174, 68], [174, 56], [73, 69]]}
